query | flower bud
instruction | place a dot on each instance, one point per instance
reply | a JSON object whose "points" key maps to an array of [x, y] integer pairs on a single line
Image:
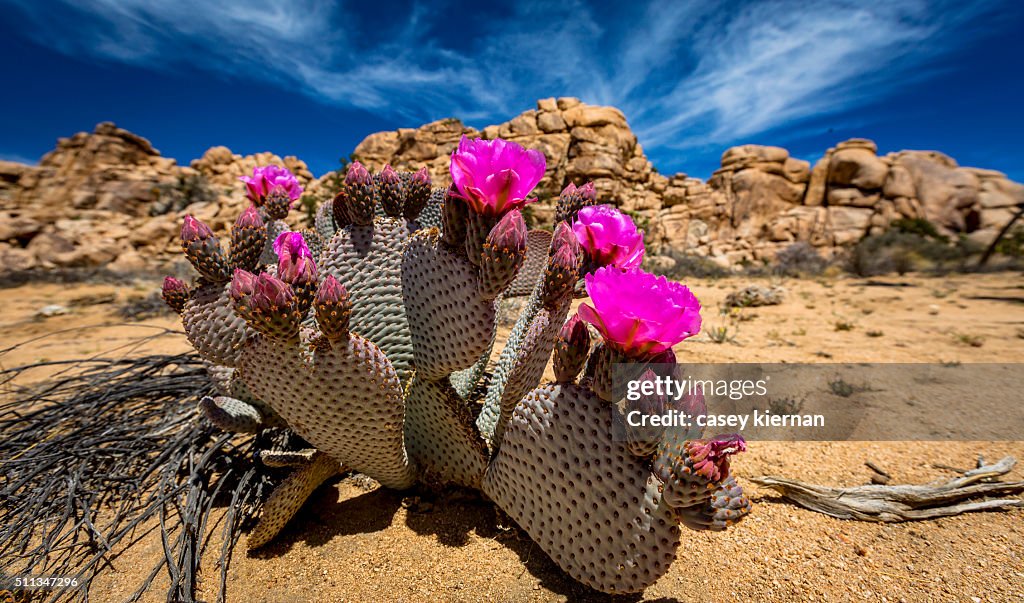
{"points": [[392, 194], [175, 292], [571, 349], [194, 230], [417, 194]]}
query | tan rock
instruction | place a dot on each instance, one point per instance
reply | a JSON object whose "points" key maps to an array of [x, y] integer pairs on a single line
{"points": [[853, 197], [796, 170], [754, 152], [551, 122], [590, 116], [567, 102], [848, 224], [898, 183], [942, 189], [16, 227], [859, 143], [524, 124], [547, 104], [857, 167], [815, 194]]}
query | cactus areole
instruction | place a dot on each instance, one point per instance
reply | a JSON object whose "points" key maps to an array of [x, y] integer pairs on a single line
{"points": [[370, 335]]}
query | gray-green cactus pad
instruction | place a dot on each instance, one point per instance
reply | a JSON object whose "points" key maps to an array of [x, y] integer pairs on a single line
{"points": [[347, 401], [590, 504]]}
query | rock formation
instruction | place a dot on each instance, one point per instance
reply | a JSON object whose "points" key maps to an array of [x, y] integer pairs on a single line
{"points": [[108, 198], [758, 202]]}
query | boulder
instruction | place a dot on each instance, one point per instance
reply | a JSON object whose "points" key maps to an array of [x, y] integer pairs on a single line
{"points": [[857, 167]]}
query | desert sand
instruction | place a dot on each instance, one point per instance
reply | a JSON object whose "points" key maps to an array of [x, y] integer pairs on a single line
{"points": [[356, 544]]}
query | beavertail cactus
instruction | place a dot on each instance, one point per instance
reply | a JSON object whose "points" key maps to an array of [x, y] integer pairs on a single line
{"points": [[371, 338]]}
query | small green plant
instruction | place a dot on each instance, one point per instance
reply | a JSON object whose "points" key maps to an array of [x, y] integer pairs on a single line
{"points": [[721, 334], [841, 388], [844, 325], [975, 341], [785, 406]]}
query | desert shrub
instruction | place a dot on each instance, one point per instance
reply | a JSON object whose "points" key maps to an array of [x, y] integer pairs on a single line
{"points": [[900, 251], [1012, 244], [176, 196], [685, 265], [799, 259], [920, 227]]}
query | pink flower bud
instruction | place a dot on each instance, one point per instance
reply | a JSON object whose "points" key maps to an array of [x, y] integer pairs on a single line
{"points": [[193, 230], [710, 458], [388, 175], [588, 193], [250, 218], [271, 294], [422, 177], [295, 263], [509, 232], [564, 236], [357, 175], [331, 291], [243, 284], [173, 286]]}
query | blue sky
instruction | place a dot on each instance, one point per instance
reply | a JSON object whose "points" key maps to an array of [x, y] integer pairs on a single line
{"points": [[312, 78]]}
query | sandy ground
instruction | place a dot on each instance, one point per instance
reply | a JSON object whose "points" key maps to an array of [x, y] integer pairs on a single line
{"points": [[350, 544]]}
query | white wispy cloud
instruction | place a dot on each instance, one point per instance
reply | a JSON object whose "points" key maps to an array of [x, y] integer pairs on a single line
{"points": [[687, 74]]}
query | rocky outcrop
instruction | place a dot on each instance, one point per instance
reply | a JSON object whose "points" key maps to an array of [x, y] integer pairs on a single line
{"points": [[758, 202], [109, 199]]}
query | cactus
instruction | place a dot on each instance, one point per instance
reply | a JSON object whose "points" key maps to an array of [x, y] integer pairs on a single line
{"points": [[375, 352]]}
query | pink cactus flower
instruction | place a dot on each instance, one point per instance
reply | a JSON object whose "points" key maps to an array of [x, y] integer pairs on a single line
{"points": [[609, 237], [295, 263], [495, 176], [271, 179], [638, 314]]}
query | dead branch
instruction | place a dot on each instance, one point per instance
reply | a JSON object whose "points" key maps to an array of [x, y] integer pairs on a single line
{"points": [[905, 502]]}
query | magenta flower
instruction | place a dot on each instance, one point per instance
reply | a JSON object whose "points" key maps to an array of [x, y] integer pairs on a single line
{"points": [[609, 237], [639, 314], [271, 179], [295, 263], [495, 176]]}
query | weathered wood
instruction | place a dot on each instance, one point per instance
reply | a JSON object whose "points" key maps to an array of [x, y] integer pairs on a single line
{"points": [[897, 503]]}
